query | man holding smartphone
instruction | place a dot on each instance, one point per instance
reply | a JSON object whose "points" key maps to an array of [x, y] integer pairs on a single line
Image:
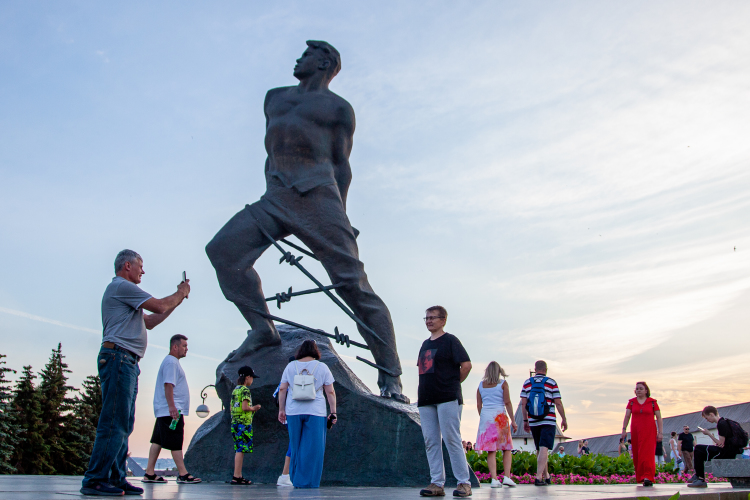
{"points": [[124, 343], [732, 438]]}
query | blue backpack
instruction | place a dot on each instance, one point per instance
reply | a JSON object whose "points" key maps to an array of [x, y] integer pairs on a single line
{"points": [[536, 404]]}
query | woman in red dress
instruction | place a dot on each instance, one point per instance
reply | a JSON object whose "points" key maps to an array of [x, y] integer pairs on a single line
{"points": [[643, 432]]}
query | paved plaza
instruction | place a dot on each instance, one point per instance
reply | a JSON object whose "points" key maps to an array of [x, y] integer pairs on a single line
{"points": [[60, 487]]}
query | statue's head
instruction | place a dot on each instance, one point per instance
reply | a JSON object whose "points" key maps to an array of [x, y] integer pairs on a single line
{"points": [[319, 56]]}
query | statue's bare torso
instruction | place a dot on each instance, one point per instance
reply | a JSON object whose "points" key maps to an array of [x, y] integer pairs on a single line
{"points": [[308, 138]]}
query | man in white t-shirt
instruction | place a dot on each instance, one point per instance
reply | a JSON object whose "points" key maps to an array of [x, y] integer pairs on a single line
{"points": [[171, 402]]}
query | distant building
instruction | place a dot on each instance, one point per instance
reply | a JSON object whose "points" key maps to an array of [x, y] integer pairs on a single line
{"points": [[524, 441], [608, 445]]}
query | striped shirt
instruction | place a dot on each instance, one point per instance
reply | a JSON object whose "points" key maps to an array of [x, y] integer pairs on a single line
{"points": [[551, 392]]}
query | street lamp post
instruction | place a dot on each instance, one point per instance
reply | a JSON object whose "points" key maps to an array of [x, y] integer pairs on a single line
{"points": [[202, 411]]}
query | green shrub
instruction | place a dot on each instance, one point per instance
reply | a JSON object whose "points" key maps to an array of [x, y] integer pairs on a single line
{"points": [[525, 463]]}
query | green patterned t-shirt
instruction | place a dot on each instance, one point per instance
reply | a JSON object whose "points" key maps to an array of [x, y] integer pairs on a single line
{"points": [[240, 394]]}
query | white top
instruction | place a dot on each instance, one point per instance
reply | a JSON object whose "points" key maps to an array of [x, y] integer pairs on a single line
{"points": [[170, 372], [492, 399], [323, 376]]}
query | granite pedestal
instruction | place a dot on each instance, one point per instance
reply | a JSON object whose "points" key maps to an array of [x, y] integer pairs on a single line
{"points": [[737, 471], [376, 442]]}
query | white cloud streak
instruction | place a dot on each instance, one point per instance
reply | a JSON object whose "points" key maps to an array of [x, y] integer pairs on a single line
{"points": [[41, 319]]}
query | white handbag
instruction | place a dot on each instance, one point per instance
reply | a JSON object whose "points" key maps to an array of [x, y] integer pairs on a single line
{"points": [[304, 385]]}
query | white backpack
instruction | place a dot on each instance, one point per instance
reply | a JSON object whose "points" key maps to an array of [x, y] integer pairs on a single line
{"points": [[304, 385]]}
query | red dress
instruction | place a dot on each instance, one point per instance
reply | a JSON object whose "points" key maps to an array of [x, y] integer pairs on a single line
{"points": [[643, 437]]}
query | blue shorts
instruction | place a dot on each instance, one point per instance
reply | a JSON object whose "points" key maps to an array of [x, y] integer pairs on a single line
{"points": [[544, 436]]}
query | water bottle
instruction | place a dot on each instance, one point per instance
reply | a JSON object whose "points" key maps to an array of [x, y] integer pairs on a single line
{"points": [[173, 425]]}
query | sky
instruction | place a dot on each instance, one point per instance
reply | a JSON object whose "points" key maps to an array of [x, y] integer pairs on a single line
{"points": [[570, 180]]}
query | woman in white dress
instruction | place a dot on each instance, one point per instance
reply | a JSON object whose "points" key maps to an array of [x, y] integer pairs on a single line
{"points": [[495, 422]]}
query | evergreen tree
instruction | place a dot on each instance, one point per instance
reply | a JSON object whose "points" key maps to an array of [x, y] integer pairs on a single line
{"points": [[8, 428], [90, 400], [62, 433], [88, 407], [32, 453]]}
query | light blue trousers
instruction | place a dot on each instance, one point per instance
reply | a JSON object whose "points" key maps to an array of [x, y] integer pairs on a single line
{"points": [[307, 436], [442, 422]]}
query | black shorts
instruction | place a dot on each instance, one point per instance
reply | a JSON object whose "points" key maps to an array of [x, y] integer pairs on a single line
{"points": [[167, 438], [544, 436]]}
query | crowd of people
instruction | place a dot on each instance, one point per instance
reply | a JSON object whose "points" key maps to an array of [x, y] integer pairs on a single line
{"points": [[306, 386]]}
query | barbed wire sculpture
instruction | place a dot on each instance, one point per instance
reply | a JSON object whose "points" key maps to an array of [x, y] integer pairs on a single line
{"points": [[283, 297]]}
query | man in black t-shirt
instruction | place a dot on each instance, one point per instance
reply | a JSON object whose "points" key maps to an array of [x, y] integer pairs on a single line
{"points": [[687, 441], [443, 364], [724, 446]]}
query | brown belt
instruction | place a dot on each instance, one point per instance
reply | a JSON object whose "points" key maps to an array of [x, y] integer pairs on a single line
{"points": [[112, 345]]}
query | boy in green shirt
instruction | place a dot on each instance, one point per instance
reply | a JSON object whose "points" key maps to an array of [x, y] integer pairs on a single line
{"points": [[242, 421]]}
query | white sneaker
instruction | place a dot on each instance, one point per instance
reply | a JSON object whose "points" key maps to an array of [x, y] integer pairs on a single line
{"points": [[508, 482], [496, 484], [284, 480]]}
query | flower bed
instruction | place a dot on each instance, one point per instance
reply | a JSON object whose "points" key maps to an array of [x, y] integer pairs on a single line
{"points": [[661, 478]]}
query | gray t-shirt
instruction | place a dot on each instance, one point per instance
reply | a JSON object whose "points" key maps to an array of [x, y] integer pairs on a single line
{"points": [[122, 316]]}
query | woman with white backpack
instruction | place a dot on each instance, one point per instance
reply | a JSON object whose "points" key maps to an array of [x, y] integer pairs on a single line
{"points": [[306, 380]]}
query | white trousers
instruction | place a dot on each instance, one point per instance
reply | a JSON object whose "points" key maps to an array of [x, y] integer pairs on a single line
{"points": [[442, 422]]}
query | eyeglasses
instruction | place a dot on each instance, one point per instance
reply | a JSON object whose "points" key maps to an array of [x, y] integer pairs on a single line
{"points": [[433, 318]]}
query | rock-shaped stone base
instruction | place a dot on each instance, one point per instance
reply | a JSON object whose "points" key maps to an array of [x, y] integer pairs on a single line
{"points": [[376, 442]]}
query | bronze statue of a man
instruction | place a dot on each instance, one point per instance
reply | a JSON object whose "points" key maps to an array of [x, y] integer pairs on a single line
{"points": [[309, 134]]}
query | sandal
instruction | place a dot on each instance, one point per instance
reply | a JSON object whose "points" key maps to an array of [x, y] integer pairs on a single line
{"points": [[188, 478], [153, 478], [240, 480]]}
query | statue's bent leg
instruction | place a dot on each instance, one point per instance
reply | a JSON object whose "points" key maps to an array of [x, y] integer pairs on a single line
{"points": [[233, 252], [323, 226]]}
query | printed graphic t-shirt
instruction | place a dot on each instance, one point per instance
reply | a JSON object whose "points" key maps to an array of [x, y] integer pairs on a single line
{"points": [[239, 394], [439, 365], [551, 392]]}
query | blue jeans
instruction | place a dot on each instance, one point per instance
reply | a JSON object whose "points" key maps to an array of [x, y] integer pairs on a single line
{"points": [[307, 435], [118, 371]]}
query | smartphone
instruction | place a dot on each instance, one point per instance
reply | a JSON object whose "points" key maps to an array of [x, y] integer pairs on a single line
{"points": [[331, 418], [701, 428], [184, 276]]}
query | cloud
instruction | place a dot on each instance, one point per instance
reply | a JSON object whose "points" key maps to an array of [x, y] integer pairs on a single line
{"points": [[41, 319], [49, 321]]}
